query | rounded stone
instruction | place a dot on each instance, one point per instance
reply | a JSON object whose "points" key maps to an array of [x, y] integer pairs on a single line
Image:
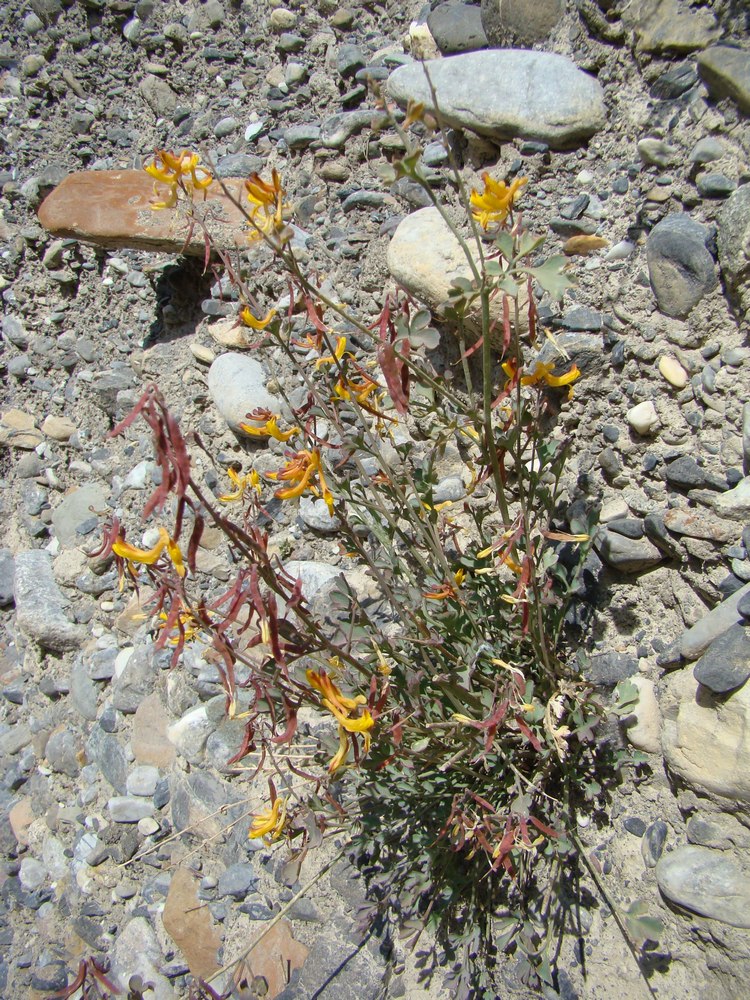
{"points": [[643, 417], [237, 386], [671, 369]]}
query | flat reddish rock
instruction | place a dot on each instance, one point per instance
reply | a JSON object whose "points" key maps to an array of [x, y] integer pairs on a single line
{"points": [[190, 926], [112, 209]]}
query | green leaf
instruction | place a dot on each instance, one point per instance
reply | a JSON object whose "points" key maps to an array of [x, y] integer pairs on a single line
{"points": [[504, 243], [529, 243], [626, 698], [551, 276], [421, 319]]}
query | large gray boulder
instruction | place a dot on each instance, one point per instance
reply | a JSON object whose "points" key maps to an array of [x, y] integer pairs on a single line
{"points": [[507, 93]]}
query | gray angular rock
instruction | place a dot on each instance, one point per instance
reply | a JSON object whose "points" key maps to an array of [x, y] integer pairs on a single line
{"points": [[237, 881], [726, 663], [62, 752], [507, 93], [713, 883], [136, 952], [457, 27], [77, 507], [520, 21], [733, 242], [667, 26], [628, 555], [699, 637], [104, 750], [135, 679], [7, 577], [158, 95], [680, 267], [726, 72], [40, 605]]}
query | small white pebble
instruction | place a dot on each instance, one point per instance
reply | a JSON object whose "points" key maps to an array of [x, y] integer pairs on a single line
{"points": [[203, 354], [673, 372], [643, 417], [620, 250]]}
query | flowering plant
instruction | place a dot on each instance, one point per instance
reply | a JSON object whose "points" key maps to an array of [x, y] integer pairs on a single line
{"points": [[450, 704]]}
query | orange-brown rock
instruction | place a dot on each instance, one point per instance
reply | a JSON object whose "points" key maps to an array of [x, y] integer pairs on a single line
{"points": [[275, 957], [112, 209], [190, 926]]}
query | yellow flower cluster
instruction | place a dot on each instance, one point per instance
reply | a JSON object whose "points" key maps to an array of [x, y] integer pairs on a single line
{"points": [[342, 709], [180, 172], [493, 205]]}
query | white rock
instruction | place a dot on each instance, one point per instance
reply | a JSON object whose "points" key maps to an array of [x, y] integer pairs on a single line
{"points": [[645, 733], [706, 740], [424, 257], [736, 502], [237, 386], [643, 417], [136, 952], [673, 372], [189, 734]]}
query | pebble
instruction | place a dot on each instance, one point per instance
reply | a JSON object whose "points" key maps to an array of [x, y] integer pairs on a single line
{"points": [[658, 152], [644, 728], [726, 72], [643, 418], [673, 372], [128, 809], [315, 514], [237, 881], [457, 28], [625, 554], [652, 844], [715, 185], [226, 126], [696, 640], [681, 269], [143, 780], [713, 883]]}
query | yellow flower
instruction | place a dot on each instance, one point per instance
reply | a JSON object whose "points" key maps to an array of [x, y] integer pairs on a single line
{"points": [[495, 202], [341, 708], [179, 171], [441, 592], [191, 627], [337, 355], [250, 481], [129, 554], [269, 824], [300, 473], [267, 201], [256, 324], [543, 373], [270, 428]]}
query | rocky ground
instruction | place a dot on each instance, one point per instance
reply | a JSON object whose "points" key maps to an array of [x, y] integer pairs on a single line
{"points": [[124, 834]]}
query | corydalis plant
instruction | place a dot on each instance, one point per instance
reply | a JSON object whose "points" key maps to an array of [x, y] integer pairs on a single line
{"points": [[455, 708]]}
